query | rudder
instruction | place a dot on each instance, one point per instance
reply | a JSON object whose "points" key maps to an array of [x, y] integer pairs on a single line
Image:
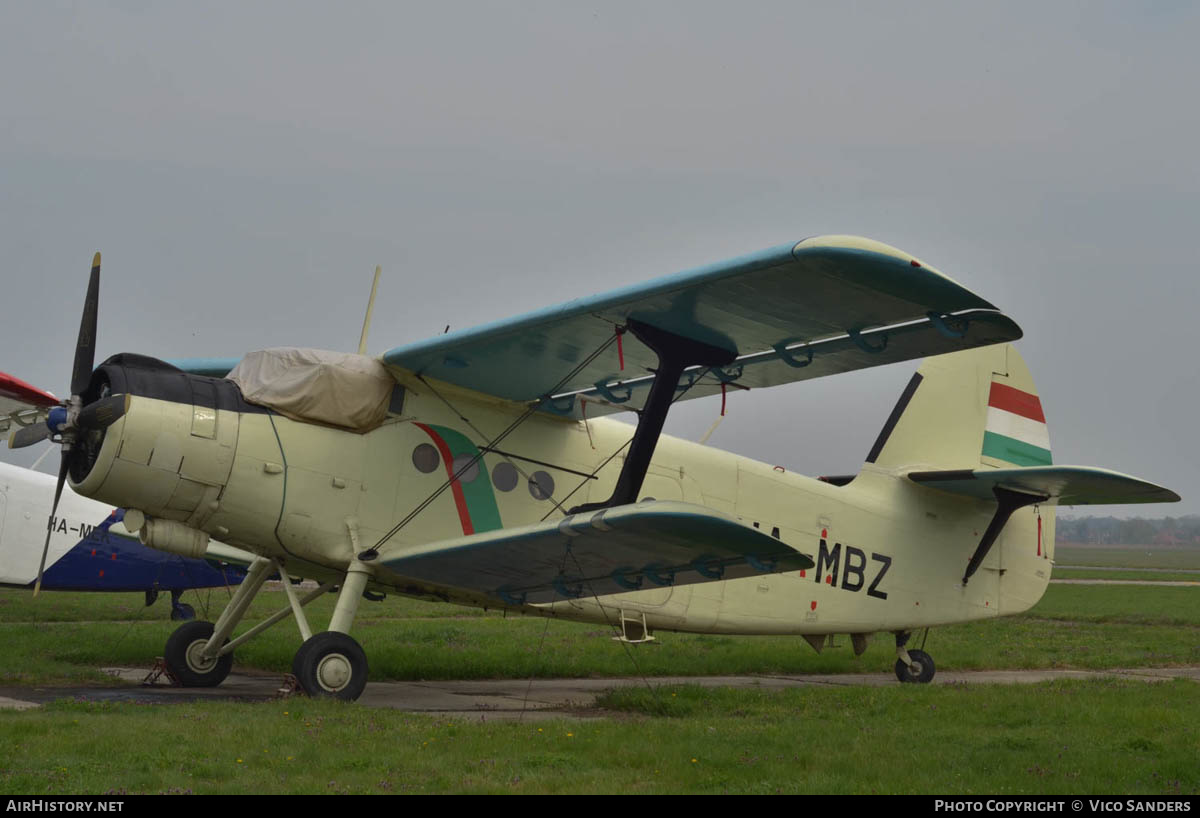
{"points": [[975, 409], [966, 410]]}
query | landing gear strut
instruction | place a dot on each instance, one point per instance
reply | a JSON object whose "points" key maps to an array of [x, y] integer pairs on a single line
{"points": [[912, 665], [332, 664]]}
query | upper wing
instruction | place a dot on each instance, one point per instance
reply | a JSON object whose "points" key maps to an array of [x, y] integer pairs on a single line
{"points": [[819, 307], [1064, 485], [20, 403], [605, 552]]}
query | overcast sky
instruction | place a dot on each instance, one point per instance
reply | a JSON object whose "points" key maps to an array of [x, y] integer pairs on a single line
{"points": [[244, 166]]}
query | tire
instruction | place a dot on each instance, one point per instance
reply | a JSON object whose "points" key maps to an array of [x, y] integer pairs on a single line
{"points": [[331, 665], [182, 656], [924, 670], [182, 612]]}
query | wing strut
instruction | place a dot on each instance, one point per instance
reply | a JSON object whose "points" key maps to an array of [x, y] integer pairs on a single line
{"points": [[1009, 501], [675, 354]]}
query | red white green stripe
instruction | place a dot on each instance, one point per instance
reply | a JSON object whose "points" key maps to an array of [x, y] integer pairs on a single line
{"points": [[1016, 427]]}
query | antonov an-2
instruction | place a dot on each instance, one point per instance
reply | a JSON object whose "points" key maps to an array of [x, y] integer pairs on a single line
{"points": [[478, 467]]}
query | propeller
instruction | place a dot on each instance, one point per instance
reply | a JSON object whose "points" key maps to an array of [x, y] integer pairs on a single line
{"points": [[69, 422], [28, 435]]}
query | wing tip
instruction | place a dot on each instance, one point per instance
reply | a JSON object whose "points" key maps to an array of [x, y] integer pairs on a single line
{"points": [[1123, 489], [862, 244]]}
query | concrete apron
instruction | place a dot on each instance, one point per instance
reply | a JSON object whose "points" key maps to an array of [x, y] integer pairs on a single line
{"points": [[515, 699]]}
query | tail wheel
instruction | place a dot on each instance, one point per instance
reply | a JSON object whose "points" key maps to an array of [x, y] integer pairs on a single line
{"points": [[331, 665], [920, 671], [184, 656]]}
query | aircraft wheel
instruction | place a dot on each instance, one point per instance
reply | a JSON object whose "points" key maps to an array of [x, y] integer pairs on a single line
{"points": [[182, 612], [920, 671], [331, 665], [182, 656]]}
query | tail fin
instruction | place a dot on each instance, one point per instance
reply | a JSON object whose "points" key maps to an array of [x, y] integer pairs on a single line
{"points": [[970, 412], [970, 424], [966, 410]]}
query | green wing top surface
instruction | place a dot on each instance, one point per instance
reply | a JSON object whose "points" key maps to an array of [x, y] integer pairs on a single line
{"points": [[801, 310], [1064, 485], [626, 548]]}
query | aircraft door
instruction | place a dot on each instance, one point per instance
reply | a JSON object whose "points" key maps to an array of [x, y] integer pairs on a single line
{"points": [[656, 486], [323, 489], [659, 487]]}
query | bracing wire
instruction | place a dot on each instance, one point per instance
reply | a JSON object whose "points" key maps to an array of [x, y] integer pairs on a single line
{"points": [[373, 551]]}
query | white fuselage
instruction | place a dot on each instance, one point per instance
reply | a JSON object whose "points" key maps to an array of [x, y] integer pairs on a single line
{"points": [[25, 500]]}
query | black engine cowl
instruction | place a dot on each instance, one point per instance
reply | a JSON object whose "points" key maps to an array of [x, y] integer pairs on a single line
{"points": [[171, 454]]}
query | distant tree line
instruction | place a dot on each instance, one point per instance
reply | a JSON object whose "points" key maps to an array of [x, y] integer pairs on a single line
{"points": [[1135, 531]]}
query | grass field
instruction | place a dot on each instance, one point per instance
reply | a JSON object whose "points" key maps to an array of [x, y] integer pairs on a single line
{"points": [[1098, 737], [1135, 574], [1106, 736], [65, 638], [1128, 556]]}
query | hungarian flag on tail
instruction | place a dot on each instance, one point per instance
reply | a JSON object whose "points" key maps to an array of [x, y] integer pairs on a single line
{"points": [[1016, 427]]}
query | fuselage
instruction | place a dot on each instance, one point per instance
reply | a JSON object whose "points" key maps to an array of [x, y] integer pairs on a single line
{"points": [[889, 554]]}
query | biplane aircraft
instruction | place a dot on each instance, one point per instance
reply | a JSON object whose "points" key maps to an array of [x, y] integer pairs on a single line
{"points": [[481, 466], [89, 548]]}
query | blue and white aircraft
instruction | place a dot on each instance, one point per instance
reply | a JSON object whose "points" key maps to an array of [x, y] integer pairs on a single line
{"points": [[90, 548]]}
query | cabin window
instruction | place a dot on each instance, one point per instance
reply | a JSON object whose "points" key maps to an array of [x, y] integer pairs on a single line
{"points": [[468, 462], [541, 485], [504, 476], [426, 458]]}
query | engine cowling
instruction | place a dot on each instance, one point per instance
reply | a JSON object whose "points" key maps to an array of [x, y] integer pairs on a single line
{"points": [[171, 453]]}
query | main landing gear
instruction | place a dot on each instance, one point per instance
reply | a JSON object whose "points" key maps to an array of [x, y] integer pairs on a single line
{"points": [[330, 664], [180, 611], [912, 665]]}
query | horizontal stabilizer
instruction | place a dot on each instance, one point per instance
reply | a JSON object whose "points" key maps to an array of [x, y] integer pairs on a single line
{"points": [[1063, 485], [626, 548]]}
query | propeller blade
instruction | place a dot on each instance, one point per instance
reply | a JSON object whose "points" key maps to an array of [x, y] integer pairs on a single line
{"points": [[62, 479], [28, 435], [85, 345], [103, 413]]}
